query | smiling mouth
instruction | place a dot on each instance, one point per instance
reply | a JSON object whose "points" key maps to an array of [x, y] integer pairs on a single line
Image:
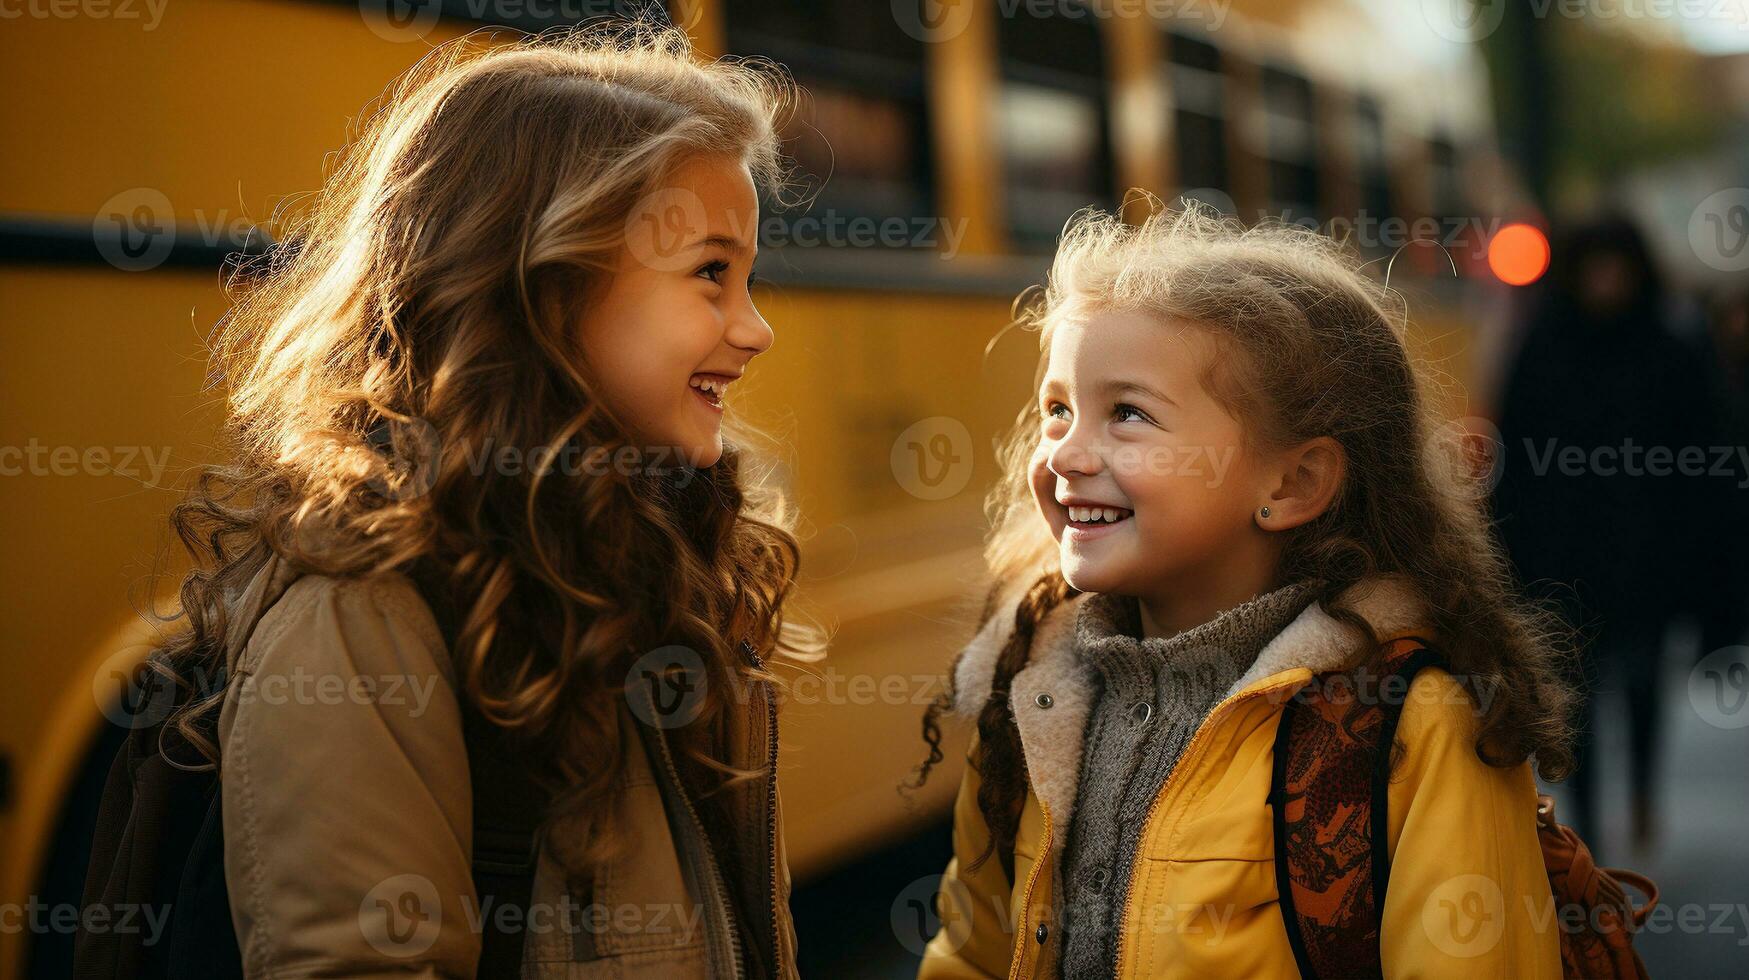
{"points": [[710, 388], [1097, 518]]}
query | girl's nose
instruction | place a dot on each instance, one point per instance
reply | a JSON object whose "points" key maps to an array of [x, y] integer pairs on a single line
{"points": [[1072, 457], [748, 330]]}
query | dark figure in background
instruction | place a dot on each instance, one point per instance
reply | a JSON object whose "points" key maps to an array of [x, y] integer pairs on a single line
{"points": [[1723, 611], [1600, 400]]}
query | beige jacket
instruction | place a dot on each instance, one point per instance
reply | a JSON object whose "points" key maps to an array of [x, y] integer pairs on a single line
{"points": [[348, 812]]}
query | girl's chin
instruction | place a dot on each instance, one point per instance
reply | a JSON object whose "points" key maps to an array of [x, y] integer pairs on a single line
{"points": [[702, 450], [679, 446], [1088, 576]]}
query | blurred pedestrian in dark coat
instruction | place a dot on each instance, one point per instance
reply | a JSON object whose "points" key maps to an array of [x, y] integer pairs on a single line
{"points": [[1599, 403]]}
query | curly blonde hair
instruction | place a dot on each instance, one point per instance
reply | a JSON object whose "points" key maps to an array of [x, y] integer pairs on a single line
{"points": [[421, 314], [1311, 346]]}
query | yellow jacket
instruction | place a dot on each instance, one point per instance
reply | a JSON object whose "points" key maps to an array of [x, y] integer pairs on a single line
{"points": [[1468, 895]]}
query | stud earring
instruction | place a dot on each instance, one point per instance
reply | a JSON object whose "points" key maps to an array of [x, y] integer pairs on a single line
{"points": [[1264, 512]]}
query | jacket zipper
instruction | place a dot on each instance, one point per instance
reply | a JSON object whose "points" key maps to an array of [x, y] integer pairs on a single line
{"points": [[777, 965], [1224, 708], [720, 894], [1026, 903]]}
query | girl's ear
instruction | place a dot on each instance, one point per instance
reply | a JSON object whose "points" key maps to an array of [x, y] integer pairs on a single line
{"points": [[1309, 477]]}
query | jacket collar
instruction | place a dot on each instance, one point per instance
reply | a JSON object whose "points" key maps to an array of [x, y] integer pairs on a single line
{"points": [[1314, 642], [269, 582]]}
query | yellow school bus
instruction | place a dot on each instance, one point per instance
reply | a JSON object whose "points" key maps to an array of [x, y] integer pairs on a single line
{"points": [[149, 140]]}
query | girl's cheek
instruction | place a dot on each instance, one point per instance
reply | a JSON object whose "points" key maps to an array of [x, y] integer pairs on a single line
{"points": [[1044, 482]]}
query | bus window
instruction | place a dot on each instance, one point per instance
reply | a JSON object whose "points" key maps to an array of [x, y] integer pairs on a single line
{"points": [[1442, 162], [1447, 201], [1054, 133], [1372, 170], [1290, 146], [1199, 132], [860, 138]]}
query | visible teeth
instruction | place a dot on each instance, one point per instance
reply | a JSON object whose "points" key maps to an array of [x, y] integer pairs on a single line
{"points": [[710, 385], [1086, 515]]}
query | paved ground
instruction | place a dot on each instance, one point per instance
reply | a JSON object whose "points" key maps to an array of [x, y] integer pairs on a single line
{"points": [[1700, 859]]}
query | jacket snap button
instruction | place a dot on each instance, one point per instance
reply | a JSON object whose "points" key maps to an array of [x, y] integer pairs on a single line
{"points": [[1142, 712], [1043, 700], [1043, 931]]}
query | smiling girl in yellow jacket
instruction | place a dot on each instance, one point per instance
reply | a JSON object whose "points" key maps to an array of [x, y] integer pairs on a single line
{"points": [[1231, 483]]}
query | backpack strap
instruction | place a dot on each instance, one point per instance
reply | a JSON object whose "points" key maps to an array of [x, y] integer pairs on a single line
{"points": [[1329, 794], [157, 844], [508, 810]]}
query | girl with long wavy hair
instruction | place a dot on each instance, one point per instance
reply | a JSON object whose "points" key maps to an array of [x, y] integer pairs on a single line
{"points": [[490, 581], [1231, 482]]}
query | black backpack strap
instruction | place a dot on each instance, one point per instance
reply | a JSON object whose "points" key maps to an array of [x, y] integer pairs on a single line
{"points": [[158, 846], [1337, 934], [203, 942], [507, 813], [1381, 771], [508, 810]]}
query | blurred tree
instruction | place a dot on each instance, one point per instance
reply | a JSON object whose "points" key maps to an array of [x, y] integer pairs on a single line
{"points": [[1582, 101]]}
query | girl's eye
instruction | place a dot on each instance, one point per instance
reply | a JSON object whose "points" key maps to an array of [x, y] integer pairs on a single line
{"points": [[1123, 409], [713, 270], [1056, 410]]}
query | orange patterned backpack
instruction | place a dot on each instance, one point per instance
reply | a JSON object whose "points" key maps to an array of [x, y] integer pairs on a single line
{"points": [[1329, 796]]}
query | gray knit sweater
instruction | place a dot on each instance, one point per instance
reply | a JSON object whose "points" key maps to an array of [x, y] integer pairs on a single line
{"points": [[1152, 696]]}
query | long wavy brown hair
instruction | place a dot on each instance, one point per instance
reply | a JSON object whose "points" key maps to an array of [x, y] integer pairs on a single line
{"points": [[1312, 346], [423, 315]]}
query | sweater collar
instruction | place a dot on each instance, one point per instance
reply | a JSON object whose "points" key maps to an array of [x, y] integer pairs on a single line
{"points": [[1108, 637], [1051, 696], [1313, 639]]}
